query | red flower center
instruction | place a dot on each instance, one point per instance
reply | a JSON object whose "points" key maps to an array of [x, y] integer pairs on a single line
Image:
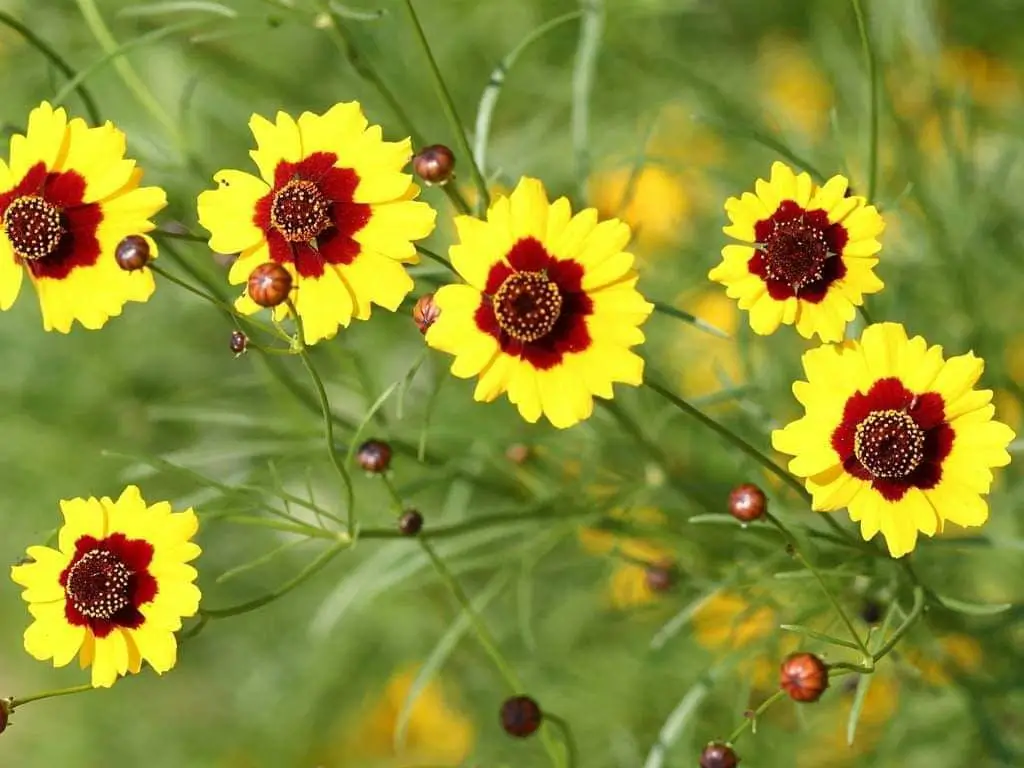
{"points": [[889, 444], [527, 305], [98, 585], [795, 253], [33, 226], [300, 211]]}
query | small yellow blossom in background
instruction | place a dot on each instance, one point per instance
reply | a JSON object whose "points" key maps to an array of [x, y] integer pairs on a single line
{"points": [[709, 363], [794, 90], [989, 82], [437, 733], [952, 656], [729, 622]]}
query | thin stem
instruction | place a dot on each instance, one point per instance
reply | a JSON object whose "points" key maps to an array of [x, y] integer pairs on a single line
{"points": [[749, 720], [584, 68], [679, 314], [57, 60], [396, 497], [902, 629], [18, 701], [325, 407], [865, 314], [436, 257], [285, 526], [571, 749], [869, 56], [448, 105]]}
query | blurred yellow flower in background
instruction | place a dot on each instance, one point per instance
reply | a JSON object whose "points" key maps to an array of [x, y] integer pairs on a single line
{"points": [[988, 81], [729, 622], [795, 93], [709, 363], [436, 732], [952, 656]]}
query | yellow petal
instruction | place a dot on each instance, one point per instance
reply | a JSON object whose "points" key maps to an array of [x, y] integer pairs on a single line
{"points": [[828, 196], [110, 660], [156, 646], [324, 303], [11, 275], [766, 315], [393, 225], [341, 125], [227, 212], [529, 209], [482, 245], [494, 379], [377, 279], [82, 517], [44, 141], [275, 142]]}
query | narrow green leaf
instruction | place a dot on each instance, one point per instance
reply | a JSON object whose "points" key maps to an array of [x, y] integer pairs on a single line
{"points": [[814, 634], [686, 317], [357, 435], [858, 705], [406, 383], [973, 609], [674, 625], [179, 6], [674, 724], [357, 14], [259, 561], [714, 518]]}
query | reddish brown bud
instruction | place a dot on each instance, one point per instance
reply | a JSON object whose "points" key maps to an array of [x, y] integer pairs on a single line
{"points": [[425, 312], [718, 755], [517, 453], [520, 716], [5, 714], [132, 253], [747, 502], [434, 164], [803, 676], [661, 577], [269, 284], [239, 342], [374, 456], [411, 522]]}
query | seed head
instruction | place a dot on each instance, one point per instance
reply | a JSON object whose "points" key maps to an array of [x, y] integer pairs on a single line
{"points": [[425, 312], [718, 755], [374, 456], [747, 502], [410, 522], [269, 284], [239, 342], [132, 253], [520, 716], [804, 677], [434, 164]]}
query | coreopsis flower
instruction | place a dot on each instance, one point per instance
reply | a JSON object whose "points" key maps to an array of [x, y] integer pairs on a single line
{"points": [[807, 256], [332, 204], [70, 196], [896, 434], [550, 309], [115, 590]]}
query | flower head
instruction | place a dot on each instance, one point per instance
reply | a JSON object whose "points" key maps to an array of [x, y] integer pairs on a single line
{"points": [[115, 590], [550, 310], [332, 205], [896, 434], [808, 254], [69, 197]]}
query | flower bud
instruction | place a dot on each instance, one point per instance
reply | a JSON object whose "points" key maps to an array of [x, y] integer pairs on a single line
{"points": [[871, 611], [520, 716], [425, 312], [374, 456], [747, 502], [660, 577], [804, 677], [239, 342], [517, 453], [5, 714], [434, 164], [269, 284], [132, 253], [410, 522], [718, 755]]}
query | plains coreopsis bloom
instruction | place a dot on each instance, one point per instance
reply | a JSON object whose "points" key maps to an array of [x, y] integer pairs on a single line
{"points": [[807, 256], [69, 196], [331, 204], [115, 590], [550, 310], [896, 434]]}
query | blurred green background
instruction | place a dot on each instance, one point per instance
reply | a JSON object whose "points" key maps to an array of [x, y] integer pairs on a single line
{"points": [[688, 100]]}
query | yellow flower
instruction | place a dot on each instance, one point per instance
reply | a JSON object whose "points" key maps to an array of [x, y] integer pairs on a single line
{"points": [[794, 92], [115, 591], [710, 363], [69, 197], [954, 655], [729, 622], [332, 205], [598, 541], [808, 255], [550, 310], [629, 586], [436, 733], [658, 206], [896, 434], [988, 81]]}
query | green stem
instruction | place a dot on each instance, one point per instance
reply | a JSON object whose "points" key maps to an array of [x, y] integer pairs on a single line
{"points": [[869, 56], [325, 407], [285, 526], [571, 749], [704, 325], [396, 497], [902, 629], [591, 29], [57, 60], [865, 314], [748, 721], [18, 701], [436, 257], [448, 105]]}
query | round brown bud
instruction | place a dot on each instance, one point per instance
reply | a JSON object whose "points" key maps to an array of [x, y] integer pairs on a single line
{"points": [[132, 253], [425, 312], [803, 676], [660, 577], [411, 522], [434, 164], [718, 755], [374, 456], [747, 502], [520, 716], [269, 284], [239, 342], [517, 453], [5, 714]]}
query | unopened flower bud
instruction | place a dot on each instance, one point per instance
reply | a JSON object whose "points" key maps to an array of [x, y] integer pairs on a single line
{"points": [[411, 522], [517, 453], [5, 714], [239, 342], [132, 253], [661, 577], [521, 716], [425, 312], [804, 677], [434, 164], [269, 284], [374, 456], [718, 755], [747, 502]]}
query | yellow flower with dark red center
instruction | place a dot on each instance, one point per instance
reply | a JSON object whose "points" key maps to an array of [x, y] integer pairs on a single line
{"points": [[896, 434], [550, 310], [115, 590], [332, 205], [69, 197], [808, 256]]}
